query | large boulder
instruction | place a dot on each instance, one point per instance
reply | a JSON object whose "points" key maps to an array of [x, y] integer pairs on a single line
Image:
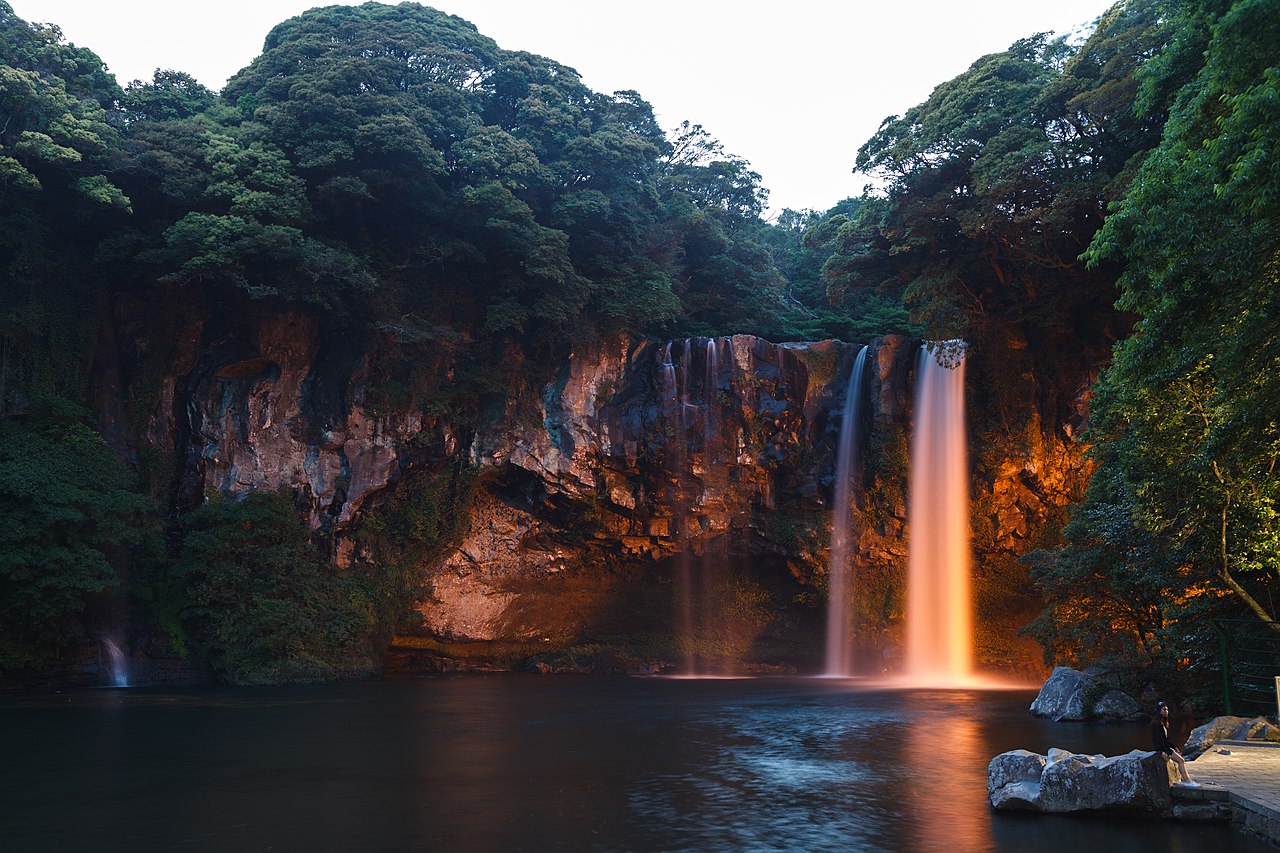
{"points": [[1137, 782], [1116, 705], [1073, 695], [1064, 782], [1230, 728]]}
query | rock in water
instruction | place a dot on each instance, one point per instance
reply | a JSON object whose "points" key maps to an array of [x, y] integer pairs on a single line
{"points": [[1013, 780], [1117, 705], [1062, 696], [1073, 695], [1136, 783]]}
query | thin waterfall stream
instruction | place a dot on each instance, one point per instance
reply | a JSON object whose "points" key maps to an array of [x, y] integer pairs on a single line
{"points": [[117, 663], [839, 647]]}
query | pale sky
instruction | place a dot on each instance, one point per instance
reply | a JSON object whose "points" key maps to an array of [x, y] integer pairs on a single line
{"points": [[795, 88]]}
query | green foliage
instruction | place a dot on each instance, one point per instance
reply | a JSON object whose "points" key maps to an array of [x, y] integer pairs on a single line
{"points": [[422, 144], [407, 527], [1181, 521], [424, 512], [170, 96], [262, 604], [55, 130], [992, 188], [70, 519]]}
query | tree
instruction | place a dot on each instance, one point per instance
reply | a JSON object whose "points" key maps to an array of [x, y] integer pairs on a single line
{"points": [[262, 606], [69, 517], [58, 194], [489, 188], [170, 96], [1184, 415], [993, 188], [53, 125]]}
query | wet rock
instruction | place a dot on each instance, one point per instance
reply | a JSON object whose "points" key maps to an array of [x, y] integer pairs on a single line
{"points": [[270, 406], [1013, 780], [633, 453], [1074, 696], [1135, 783]]}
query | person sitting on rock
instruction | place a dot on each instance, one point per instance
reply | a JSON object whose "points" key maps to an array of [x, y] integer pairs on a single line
{"points": [[1160, 740]]}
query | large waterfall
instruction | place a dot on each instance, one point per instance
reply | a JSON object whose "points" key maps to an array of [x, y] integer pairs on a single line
{"points": [[939, 633], [839, 659]]}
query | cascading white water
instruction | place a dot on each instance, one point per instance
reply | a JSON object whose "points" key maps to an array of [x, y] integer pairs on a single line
{"points": [[939, 634], [711, 373], [691, 457], [839, 659], [118, 664], [674, 403]]}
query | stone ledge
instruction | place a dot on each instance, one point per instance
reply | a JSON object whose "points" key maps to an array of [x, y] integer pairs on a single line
{"points": [[1207, 792], [1261, 809], [1259, 744]]}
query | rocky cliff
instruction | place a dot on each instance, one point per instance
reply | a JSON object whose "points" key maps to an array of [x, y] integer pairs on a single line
{"points": [[667, 499]]}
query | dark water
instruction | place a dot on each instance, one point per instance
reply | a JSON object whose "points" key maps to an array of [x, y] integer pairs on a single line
{"points": [[510, 763]]}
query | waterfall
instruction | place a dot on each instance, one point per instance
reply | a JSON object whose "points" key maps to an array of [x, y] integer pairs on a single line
{"points": [[710, 379], [674, 402], [695, 456], [939, 637], [118, 664], [839, 580]]}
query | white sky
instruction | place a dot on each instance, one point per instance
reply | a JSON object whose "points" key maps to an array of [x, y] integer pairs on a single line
{"points": [[793, 87]]}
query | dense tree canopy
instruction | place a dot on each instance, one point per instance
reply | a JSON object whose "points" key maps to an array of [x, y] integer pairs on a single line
{"points": [[71, 520], [992, 189], [1186, 499]]}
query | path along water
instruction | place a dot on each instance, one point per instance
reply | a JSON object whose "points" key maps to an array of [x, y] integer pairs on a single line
{"points": [[1246, 774]]}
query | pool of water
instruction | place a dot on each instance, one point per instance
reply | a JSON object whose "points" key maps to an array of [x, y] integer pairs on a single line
{"points": [[513, 763]]}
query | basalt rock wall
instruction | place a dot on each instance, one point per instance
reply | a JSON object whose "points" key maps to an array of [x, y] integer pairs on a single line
{"points": [[590, 489]]}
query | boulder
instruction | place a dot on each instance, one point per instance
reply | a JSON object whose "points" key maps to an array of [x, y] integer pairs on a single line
{"points": [[1073, 695], [1229, 728], [1062, 696], [1116, 705], [1013, 780], [1064, 782], [1137, 782]]}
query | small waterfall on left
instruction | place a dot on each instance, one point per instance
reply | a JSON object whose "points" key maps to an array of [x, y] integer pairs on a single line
{"points": [[839, 650], [117, 662]]}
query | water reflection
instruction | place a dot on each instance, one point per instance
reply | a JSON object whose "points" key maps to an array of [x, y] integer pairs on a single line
{"points": [[512, 763], [945, 765]]}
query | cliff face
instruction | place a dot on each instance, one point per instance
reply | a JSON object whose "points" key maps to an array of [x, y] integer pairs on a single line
{"points": [[636, 454], [642, 476]]}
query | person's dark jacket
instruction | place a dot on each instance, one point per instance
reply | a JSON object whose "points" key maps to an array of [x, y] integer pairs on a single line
{"points": [[1160, 738]]}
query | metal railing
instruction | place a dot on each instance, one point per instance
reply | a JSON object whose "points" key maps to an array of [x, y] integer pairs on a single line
{"points": [[1249, 655]]}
